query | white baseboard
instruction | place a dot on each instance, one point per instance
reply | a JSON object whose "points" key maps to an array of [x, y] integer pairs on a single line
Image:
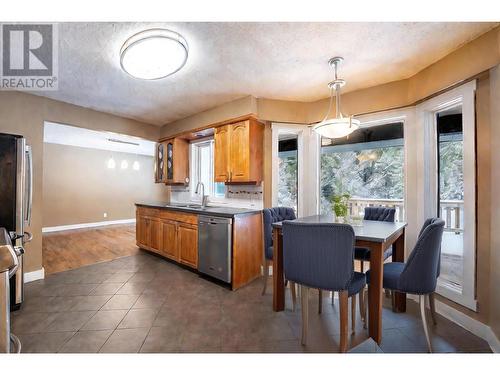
{"points": [[34, 275], [470, 324], [86, 225]]}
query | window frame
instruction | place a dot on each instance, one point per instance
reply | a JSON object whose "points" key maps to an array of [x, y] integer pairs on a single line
{"points": [[195, 155], [405, 115], [307, 161], [428, 189]]}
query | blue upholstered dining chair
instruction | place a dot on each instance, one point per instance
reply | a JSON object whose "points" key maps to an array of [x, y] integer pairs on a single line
{"points": [[420, 272], [321, 256], [377, 214], [270, 216]]}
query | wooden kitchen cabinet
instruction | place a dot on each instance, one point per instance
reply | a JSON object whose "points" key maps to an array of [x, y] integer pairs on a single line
{"points": [[221, 153], [169, 239], [238, 152], [171, 234], [187, 240], [148, 232], [172, 162]]}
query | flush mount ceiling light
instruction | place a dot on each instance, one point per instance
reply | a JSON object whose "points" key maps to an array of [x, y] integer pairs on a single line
{"points": [[154, 54], [339, 126]]}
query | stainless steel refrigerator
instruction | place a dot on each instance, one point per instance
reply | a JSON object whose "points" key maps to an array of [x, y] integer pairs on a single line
{"points": [[16, 197]]}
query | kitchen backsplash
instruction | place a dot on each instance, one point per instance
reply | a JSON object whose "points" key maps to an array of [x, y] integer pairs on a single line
{"points": [[245, 196]]}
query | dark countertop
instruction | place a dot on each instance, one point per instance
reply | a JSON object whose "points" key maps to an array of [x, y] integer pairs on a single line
{"points": [[209, 210]]}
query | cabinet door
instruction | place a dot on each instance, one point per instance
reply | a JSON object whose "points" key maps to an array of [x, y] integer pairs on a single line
{"points": [[160, 163], [141, 229], [187, 240], [240, 152], [169, 239], [221, 153], [154, 234]]}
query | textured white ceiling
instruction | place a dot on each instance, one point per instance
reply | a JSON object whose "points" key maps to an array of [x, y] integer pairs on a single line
{"points": [[230, 60]]}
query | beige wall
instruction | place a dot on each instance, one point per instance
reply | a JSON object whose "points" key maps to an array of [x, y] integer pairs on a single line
{"points": [[78, 187], [24, 114], [495, 200]]}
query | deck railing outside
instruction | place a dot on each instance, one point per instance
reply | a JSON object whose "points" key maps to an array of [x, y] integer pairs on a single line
{"points": [[451, 210]]}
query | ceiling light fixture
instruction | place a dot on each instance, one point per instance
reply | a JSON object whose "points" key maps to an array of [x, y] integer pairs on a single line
{"points": [[136, 166], [124, 142], [339, 126], [154, 54], [111, 163], [124, 164]]}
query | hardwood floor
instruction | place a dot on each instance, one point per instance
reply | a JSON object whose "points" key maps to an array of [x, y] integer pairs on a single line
{"points": [[68, 250]]}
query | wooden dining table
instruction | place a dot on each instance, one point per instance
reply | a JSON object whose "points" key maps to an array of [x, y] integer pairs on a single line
{"points": [[378, 236]]}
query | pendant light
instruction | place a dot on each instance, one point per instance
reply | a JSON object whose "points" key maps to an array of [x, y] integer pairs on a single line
{"points": [[339, 126]]}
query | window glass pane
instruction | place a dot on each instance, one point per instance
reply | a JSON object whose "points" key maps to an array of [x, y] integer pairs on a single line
{"points": [[451, 194], [205, 167], [367, 165], [288, 171], [219, 189]]}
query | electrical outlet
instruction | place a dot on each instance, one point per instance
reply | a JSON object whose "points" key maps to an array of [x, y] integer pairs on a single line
{"points": [[105, 214]]}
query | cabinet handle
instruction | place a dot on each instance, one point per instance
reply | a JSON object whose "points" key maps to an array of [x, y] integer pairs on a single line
{"points": [[231, 176]]}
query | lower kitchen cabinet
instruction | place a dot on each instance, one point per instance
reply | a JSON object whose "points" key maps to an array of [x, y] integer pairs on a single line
{"points": [[148, 232], [187, 241], [169, 239], [172, 235]]}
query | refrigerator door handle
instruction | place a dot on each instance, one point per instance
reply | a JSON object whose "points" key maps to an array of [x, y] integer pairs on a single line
{"points": [[29, 159]]}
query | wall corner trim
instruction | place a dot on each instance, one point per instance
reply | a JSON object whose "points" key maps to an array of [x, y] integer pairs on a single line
{"points": [[61, 228], [34, 275]]}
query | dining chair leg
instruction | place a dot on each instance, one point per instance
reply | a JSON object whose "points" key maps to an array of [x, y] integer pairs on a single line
{"points": [[304, 303], [432, 305], [421, 299], [320, 301], [353, 314], [266, 276], [294, 295], [344, 307], [333, 298], [366, 302]]}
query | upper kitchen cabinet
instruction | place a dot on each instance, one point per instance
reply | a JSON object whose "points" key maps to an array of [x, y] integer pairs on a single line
{"points": [[172, 161], [238, 152]]}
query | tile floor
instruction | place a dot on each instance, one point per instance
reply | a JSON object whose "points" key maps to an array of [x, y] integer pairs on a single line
{"points": [[143, 303]]}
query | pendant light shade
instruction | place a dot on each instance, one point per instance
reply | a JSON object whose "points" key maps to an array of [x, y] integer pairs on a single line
{"points": [[338, 126]]}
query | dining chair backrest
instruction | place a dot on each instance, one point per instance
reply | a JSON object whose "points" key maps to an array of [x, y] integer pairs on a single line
{"points": [[422, 267], [426, 223], [270, 216], [318, 255], [380, 213]]}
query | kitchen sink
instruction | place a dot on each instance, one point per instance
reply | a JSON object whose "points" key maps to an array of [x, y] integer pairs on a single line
{"points": [[185, 205]]}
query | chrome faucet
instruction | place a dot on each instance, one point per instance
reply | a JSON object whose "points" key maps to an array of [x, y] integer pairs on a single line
{"points": [[204, 198]]}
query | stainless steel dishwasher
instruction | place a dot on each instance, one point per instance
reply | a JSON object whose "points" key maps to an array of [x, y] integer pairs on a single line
{"points": [[214, 246]]}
